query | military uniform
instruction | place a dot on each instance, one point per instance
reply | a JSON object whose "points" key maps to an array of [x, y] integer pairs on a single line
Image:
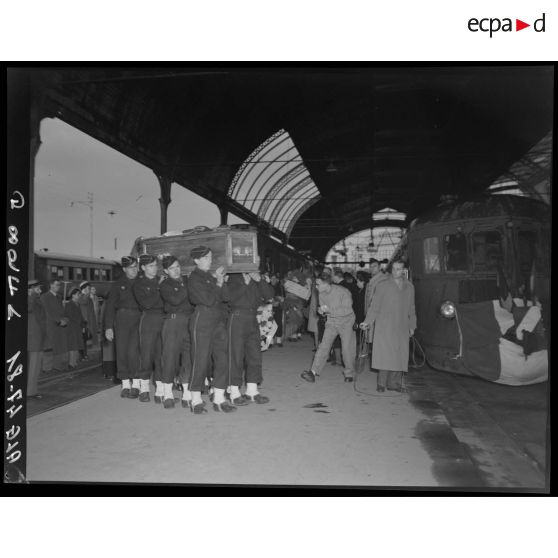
{"points": [[207, 330], [243, 329], [121, 313], [176, 359], [148, 297]]}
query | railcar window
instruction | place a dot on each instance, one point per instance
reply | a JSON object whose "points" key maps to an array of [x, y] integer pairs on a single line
{"points": [[487, 250], [431, 251], [56, 272], [79, 273], [103, 274], [96, 275], [456, 252]]}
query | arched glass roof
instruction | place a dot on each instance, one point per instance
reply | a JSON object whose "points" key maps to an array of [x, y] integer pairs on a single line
{"points": [[274, 184]]}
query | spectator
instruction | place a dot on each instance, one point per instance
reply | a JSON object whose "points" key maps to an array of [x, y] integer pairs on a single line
{"points": [[89, 330], [75, 327], [278, 298], [392, 320], [36, 333], [56, 344]]}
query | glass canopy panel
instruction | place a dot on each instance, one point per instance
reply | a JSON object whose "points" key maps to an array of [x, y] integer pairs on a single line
{"points": [[273, 182]]}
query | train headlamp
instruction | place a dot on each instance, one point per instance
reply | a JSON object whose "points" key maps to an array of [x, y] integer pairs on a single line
{"points": [[447, 309]]}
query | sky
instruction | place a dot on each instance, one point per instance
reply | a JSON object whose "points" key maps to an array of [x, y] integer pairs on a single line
{"points": [[70, 164]]}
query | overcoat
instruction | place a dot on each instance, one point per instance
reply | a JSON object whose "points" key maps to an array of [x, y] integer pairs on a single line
{"points": [[369, 294], [313, 310], [88, 314], [56, 337], [391, 316], [36, 324], [75, 338]]}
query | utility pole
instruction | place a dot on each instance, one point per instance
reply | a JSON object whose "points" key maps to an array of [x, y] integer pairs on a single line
{"points": [[89, 203]]}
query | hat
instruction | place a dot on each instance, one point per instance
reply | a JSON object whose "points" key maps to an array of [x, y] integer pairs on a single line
{"points": [[84, 284], [127, 261], [384, 261], [146, 259], [74, 291], [168, 261], [373, 261], [199, 252], [33, 283]]}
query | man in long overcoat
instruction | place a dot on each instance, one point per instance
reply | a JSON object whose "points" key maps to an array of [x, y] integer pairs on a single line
{"points": [[36, 333], [56, 337], [89, 318], [392, 320]]}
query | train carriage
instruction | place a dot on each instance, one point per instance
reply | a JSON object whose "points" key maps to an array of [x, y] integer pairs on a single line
{"points": [[481, 275], [72, 270]]}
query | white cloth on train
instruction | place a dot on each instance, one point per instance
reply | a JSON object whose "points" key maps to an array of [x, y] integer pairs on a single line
{"points": [[503, 317], [529, 321], [518, 370]]}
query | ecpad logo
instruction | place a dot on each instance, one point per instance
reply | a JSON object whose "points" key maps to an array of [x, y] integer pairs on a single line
{"points": [[493, 25]]}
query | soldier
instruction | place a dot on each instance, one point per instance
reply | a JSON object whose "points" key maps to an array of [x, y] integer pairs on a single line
{"points": [[56, 329], [246, 293], [121, 324], [208, 332], [75, 326], [176, 360], [146, 292], [36, 333]]}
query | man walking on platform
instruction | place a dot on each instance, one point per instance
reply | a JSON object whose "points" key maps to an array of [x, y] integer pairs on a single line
{"points": [[36, 333], [337, 304], [176, 360], [56, 338], [392, 320], [121, 324], [146, 291], [247, 291], [208, 332]]}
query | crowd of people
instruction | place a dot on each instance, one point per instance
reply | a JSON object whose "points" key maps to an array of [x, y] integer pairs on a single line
{"points": [[59, 332], [203, 334]]}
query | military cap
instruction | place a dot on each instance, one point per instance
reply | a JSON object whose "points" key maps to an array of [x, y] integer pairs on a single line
{"points": [[84, 284], [168, 261], [199, 252], [146, 259], [33, 283], [127, 261]]}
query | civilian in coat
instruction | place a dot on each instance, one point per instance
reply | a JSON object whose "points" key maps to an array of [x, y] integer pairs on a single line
{"points": [[72, 311], [56, 322], [36, 334], [89, 330], [392, 319]]}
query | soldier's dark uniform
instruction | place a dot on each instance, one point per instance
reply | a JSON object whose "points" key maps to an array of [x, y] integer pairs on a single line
{"points": [[122, 314], [243, 329], [207, 330], [176, 359], [148, 297]]}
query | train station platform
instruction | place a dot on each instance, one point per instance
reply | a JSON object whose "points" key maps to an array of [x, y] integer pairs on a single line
{"points": [[438, 435]]}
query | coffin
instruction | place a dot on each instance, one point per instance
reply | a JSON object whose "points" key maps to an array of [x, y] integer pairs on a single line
{"points": [[235, 250]]}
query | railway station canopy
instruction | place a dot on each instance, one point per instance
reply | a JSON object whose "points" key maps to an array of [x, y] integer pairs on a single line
{"points": [[310, 154]]}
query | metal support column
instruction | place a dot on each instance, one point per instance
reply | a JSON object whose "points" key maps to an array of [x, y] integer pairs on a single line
{"points": [[165, 184], [224, 213]]}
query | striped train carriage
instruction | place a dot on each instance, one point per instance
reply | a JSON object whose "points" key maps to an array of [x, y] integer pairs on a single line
{"points": [[481, 273], [72, 270]]}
